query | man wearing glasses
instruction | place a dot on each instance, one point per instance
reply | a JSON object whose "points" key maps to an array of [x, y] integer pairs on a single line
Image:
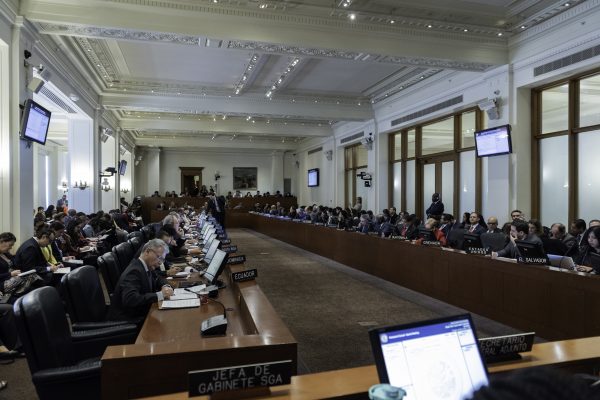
{"points": [[139, 286], [492, 223]]}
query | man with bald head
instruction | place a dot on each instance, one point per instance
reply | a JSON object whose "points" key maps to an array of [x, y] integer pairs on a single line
{"points": [[492, 223]]}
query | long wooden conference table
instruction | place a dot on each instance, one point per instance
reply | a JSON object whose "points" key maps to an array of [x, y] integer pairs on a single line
{"points": [[555, 304], [577, 355], [169, 343]]}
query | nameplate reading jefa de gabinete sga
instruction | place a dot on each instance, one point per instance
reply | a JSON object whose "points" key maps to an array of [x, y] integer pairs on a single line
{"points": [[239, 377]]}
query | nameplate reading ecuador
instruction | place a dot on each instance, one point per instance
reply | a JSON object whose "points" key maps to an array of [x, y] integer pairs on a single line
{"points": [[482, 251], [501, 348], [248, 275], [229, 249], [237, 259], [240, 377]]}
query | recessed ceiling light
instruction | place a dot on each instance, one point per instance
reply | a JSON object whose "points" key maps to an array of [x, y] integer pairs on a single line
{"points": [[316, 101], [392, 21], [567, 4], [430, 26], [465, 30], [500, 33], [359, 103], [523, 27], [352, 16], [262, 6]]}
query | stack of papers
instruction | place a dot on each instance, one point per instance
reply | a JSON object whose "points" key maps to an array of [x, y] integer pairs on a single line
{"points": [[63, 270], [183, 296], [195, 289], [31, 271], [182, 275], [172, 304]]}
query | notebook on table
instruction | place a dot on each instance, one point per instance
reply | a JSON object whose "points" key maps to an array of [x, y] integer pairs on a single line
{"points": [[430, 360]]}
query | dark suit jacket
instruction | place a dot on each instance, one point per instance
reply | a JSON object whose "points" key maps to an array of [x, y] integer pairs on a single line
{"points": [[133, 294], [436, 208], [29, 256], [478, 230]]}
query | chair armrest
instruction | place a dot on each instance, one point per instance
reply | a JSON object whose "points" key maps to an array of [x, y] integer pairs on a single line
{"points": [[85, 326], [84, 370], [92, 343]]}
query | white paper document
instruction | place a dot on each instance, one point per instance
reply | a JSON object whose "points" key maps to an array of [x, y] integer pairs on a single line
{"points": [[183, 296], [172, 304], [31, 271], [63, 270]]}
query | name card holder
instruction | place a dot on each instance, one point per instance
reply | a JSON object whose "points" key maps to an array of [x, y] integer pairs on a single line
{"points": [[236, 259], [482, 251], [432, 243], [239, 381], [505, 348], [229, 249], [248, 275], [226, 241]]}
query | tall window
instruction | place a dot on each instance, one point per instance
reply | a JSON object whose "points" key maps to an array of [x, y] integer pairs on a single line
{"points": [[566, 131], [436, 156], [355, 162]]}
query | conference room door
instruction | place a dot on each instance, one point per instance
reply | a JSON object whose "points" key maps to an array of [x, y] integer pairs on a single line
{"points": [[439, 175]]}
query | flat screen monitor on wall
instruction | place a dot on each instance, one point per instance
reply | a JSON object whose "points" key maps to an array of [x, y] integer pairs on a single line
{"points": [[313, 177], [35, 122], [122, 167], [493, 141]]}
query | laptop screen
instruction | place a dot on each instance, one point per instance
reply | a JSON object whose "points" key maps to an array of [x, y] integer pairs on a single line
{"points": [[436, 359]]}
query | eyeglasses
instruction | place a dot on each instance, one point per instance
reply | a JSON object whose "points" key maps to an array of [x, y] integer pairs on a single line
{"points": [[160, 257]]}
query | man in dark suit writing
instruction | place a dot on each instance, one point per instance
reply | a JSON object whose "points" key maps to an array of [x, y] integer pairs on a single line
{"points": [[139, 286]]}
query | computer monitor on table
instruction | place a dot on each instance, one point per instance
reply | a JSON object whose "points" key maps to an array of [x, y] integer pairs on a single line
{"points": [[216, 266], [531, 253], [208, 241], [433, 359], [212, 249]]}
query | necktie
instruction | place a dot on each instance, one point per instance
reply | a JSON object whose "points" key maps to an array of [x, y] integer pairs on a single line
{"points": [[150, 279], [472, 228]]}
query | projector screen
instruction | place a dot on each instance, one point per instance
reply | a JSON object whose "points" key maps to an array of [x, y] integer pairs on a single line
{"points": [[493, 141], [313, 177]]}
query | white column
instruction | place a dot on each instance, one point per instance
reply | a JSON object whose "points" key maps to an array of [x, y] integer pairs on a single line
{"points": [[81, 145], [21, 170], [152, 171], [97, 158], [276, 172], [117, 175], [5, 135], [108, 160]]}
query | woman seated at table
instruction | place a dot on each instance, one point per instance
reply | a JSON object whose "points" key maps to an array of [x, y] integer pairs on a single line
{"points": [[7, 269], [584, 260], [434, 225]]}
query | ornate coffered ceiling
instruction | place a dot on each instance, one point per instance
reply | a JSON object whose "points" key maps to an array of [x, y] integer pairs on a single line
{"points": [[279, 72]]}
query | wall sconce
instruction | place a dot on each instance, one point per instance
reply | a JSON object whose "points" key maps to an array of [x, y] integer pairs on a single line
{"points": [[125, 190], [105, 185], [82, 185], [64, 187]]}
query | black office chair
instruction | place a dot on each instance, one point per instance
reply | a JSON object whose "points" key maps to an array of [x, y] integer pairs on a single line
{"points": [[63, 365], [455, 238], [136, 243], [85, 301], [495, 241], [554, 246], [124, 254], [110, 270], [148, 232], [135, 234]]}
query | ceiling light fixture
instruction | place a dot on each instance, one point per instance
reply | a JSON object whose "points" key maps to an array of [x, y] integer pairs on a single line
{"points": [[567, 4], [500, 33], [275, 86], [233, 137], [263, 5], [213, 136], [239, 87], [352, 16], [429, 26]]}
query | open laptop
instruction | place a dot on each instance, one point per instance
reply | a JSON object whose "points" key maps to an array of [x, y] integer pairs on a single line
{"points": [[559, 261], [430, 360]]}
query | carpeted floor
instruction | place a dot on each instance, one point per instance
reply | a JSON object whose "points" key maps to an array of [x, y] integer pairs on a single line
{"points": [[327, 306]]}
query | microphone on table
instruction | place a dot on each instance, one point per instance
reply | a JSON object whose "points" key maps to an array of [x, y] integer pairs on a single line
{"points": [[215, 325]]}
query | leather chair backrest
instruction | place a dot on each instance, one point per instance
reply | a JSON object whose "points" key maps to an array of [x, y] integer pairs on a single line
{"points": [[44, 330], [136, 243], [135, 234], [124, 252], [110, 270], [554, 246], [84, 296], [121, 235], [148, 233], [495, 241], [456, 238]]}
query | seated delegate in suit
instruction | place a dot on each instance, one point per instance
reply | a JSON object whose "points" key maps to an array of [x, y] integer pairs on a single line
{"points": [[29, 255], [519, 230], [433, 224], [139, 286], [409, 229], [477, 225], [493, 225]]}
